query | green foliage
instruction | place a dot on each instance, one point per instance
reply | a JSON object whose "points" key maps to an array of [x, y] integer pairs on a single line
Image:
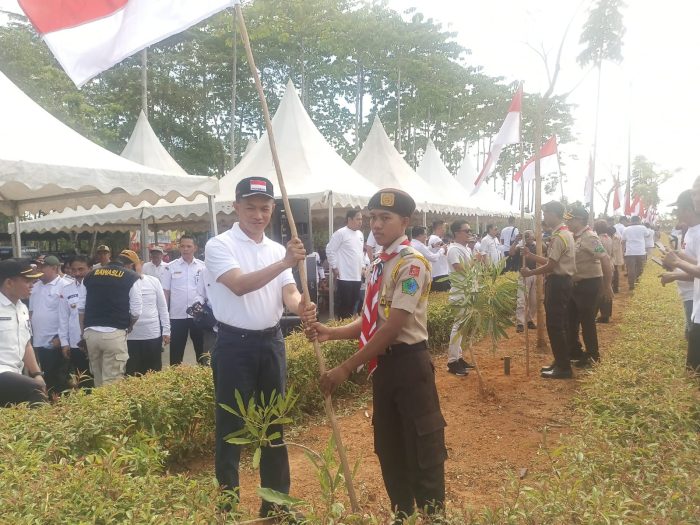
{"points": [[603, 33], [646, 180]]}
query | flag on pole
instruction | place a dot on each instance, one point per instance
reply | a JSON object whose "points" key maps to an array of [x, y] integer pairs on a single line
{"points": [[549, 162], [588, 186], [637, 207], [617, 203], [628, 197], [508, 134], [88, 37]]}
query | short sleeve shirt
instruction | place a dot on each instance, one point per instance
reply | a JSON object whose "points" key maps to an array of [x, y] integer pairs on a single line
{"points": [[180, 279], [458, 253], [562, 250], [589, 252], [15, 332], [405, 286]]}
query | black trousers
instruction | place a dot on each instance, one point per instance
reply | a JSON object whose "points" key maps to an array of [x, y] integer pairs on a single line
{"points": [[616, 279], [582, 310], [55, 367], [179, 329], [440, 284], [80, 366], [254, 364], [144, 356], [346, 298], [692, 360], [16, 388], [557, 296], [409, 435]]}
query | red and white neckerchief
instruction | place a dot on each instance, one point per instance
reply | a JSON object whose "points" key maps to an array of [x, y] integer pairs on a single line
{"points": [[370, 310]]}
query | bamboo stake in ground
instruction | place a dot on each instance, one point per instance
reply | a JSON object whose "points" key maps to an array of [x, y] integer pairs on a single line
{"points": [[526, 297], [328, 404]]}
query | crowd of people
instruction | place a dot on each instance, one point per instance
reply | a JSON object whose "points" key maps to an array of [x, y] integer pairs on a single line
{"points": [[93, 322]]}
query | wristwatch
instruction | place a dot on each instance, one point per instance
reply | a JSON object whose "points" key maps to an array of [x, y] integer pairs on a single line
{"points": [[35, 374]]}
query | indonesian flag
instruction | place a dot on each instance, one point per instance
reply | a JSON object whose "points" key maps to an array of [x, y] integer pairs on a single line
{"points": [[90, 36], [637, 207], [588, 186], [549, 162], [508, 134], [617, 202], [628, 203]]}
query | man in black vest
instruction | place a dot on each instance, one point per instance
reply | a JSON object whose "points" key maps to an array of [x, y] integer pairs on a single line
{"points": [[112, 306]]}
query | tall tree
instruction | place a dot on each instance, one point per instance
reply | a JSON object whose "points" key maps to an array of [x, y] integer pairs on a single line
{"points": [[602, 36]]}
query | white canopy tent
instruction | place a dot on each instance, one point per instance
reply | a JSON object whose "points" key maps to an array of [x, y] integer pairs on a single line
{"points": [[381, 163], [45, 165], [485, 199]]}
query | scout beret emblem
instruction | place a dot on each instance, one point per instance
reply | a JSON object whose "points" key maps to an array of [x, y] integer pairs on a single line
{"points": [[386, 199]]}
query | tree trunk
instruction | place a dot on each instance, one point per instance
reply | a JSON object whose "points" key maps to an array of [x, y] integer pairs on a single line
{"points": [[591, 217], [398, 113], [234, 87]]}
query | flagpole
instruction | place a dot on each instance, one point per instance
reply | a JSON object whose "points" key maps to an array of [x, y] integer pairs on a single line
{"points": [[591, 215], [144, 81], [330, 413], [234, 87]]}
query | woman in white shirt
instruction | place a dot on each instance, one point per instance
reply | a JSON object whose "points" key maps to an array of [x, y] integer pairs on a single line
{"points": [[152, 329]]}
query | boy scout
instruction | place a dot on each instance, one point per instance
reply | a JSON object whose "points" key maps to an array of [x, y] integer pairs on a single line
{"points": [[408, 425], [559, 266], [592, 281]]}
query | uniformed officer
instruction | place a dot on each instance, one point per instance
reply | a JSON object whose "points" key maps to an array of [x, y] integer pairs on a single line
{"points": [[559, 266], [17, 276], [180, 285], [409, 434], [592, 281], [113, 303], [249, 281]]}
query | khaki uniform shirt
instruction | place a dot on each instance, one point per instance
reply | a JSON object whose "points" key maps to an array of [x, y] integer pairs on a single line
{"points": [[405, 285], [561, 249], [618, 257], [589, 251]]}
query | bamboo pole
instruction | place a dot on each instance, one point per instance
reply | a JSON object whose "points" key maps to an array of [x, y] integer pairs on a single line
{"points": [[328, 403]]}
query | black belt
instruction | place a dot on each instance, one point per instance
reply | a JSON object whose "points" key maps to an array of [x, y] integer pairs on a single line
{"points": [[400, 349], [223, 327]]}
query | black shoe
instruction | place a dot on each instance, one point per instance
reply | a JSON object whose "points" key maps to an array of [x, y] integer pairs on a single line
{"points": [[455, 368], [465, 364], [531, 325], [558, 373], [603, 320], [520, 329], [547, 368]]}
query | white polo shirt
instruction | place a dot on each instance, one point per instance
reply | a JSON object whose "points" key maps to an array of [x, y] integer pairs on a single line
{"points": [[458, 253], [15, 333], [156, 271], [345, 251], [491, 247], [68, 313], [181, 280], [649, 238], [440, 267], [635, 240], [43, 304], [508, 235], [154, 311], [256, 310], [620, 228]]}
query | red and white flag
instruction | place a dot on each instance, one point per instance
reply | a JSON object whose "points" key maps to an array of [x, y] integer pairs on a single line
{"points": [[588, 186], [549, 162], [628, 199], [508, 134], [90, 36], [637, 207], [617, 202]]}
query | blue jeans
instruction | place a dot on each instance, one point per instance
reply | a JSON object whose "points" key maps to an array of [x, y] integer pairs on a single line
{"points": [[253, 363]]}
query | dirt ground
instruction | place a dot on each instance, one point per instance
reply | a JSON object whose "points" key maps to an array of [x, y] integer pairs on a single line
{"points": [[488, 441]]}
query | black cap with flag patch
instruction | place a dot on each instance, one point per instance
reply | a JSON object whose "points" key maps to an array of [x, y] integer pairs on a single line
{"points": [[254, 186]]}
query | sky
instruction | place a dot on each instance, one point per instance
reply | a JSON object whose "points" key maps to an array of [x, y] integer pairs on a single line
{"points": [[654, 88]]}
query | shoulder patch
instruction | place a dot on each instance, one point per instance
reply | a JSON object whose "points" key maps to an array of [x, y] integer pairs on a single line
{"points": [[405, 252], [409, 286], [599, 248], [414, 271]]}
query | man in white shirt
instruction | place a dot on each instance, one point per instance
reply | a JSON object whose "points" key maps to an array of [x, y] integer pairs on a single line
{"points": [[372, 249], [621, 224], [180, 285], [507, 237], [69, 332], [458, 255], [490, 245], [345, 251], [156, 266], [649, 239], [419, 236], [440, 268], [103, 255], [634, 247], [249, 281], [17, 277], [43, 311]]}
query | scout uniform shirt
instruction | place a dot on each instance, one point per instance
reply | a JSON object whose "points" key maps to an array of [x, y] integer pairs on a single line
{"points": [[589, 251], [405, 285], [561, 249]]}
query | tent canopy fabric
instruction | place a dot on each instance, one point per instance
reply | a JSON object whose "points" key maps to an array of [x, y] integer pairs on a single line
{"points": [[45, 165], [381, 163]]}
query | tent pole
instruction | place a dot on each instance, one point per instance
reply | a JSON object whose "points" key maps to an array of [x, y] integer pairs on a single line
{"points": [[213, 229], [17, 238], [425, 219], [144, 81], [144, 239], [478, 231], [331, 283]]}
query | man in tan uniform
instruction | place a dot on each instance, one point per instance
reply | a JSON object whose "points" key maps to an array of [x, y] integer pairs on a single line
{"points": [[409, 434], [559, 266], [592, 282]]}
